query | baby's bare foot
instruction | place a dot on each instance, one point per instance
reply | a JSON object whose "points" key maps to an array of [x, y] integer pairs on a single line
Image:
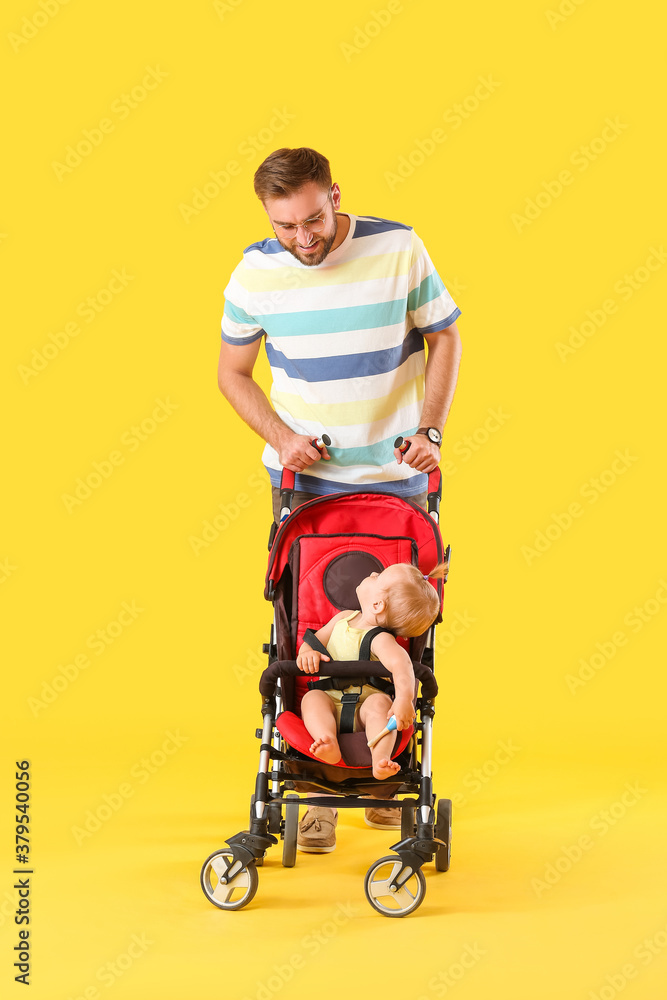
{"points": [[326, 749], [384, 768]]}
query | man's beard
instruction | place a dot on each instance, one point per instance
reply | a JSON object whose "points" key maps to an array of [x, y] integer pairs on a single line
{"points": [[311, 260]]}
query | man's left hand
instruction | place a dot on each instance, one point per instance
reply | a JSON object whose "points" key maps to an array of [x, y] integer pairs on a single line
{"points": [[422, 455]]}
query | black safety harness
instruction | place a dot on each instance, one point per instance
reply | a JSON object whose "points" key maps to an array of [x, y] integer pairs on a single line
{"points": [[349, 699]]}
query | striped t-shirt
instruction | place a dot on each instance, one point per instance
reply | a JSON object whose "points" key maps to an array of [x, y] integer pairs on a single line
{"points": [[344, 340]]}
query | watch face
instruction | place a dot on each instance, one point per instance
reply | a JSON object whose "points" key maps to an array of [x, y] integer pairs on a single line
{"points": [[434, 435]]}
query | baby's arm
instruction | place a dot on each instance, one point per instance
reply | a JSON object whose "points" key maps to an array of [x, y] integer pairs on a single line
{"points": [[399, 664], [308, 658]]}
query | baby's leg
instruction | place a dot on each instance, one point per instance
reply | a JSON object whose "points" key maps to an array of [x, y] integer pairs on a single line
{"points": [[373, 716], [319, 717]]}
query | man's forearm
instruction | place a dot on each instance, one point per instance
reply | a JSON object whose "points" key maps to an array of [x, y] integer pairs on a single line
{"points": [[442, 368], [252, 405]]}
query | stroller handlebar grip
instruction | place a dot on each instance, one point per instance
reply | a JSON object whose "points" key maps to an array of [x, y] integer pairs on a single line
{"points": [[287, 480], [434, 482]]}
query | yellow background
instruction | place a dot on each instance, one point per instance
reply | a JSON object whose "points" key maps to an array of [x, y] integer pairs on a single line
{"points": [[186, 663]]}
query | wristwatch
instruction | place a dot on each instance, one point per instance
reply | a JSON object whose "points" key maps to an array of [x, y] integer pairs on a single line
{"points": [[432, 433]]}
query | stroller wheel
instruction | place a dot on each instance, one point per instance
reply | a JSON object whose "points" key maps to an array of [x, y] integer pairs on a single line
{"points": [[231, 895], [400, 902], [290, 831], [443, 831]]}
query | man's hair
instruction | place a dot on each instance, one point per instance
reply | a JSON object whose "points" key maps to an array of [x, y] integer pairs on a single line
{"points": [[412, 607], [285, 171]]}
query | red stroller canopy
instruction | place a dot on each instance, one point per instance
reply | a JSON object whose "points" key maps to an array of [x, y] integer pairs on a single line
{"points": [[350, 514]]}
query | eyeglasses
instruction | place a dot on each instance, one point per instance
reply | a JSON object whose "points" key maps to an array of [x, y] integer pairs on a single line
{"points": [[314, 225]]}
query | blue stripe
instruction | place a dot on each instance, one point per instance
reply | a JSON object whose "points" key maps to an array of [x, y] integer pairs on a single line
{"points": [[430, 288], [372, 225], [441, 325], [269, 245], [347, 319], [346, 365], [242, 341], [397, 487]]}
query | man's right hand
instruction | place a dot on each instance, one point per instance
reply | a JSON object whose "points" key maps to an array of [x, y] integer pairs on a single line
{"points": [[296, 453], [422, 455]]}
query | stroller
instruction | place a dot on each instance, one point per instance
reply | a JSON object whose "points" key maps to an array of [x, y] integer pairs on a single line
{"points": [[318, 555]]}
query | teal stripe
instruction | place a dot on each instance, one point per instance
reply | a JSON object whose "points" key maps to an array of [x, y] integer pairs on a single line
{"points": [[237, 314], [344, 320], [380, 453], [429, 289]]}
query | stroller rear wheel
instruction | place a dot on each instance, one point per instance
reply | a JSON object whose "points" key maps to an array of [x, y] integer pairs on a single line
{"points": [[397, 903], [443, 831], [290, 831], [231, 895]]}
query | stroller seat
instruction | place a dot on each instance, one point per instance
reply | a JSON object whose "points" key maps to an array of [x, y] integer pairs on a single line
{"points": [[325, 570]]}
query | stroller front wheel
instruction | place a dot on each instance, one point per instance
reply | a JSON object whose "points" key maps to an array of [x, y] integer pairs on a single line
{"points": [[235, 893], [396, 903]]}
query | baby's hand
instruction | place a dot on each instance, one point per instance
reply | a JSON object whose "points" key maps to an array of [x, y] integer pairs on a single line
{"points": [[308, 660], [404, 711]]}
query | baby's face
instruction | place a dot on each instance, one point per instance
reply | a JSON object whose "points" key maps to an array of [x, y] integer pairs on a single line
{"points": [[376, 586]]}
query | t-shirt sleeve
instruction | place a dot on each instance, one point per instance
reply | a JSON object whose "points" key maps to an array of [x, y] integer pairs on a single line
{"points": [[238, 325], [430, 306]]}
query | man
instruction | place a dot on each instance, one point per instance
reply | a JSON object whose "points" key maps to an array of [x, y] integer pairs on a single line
{"points": [[345, 304]]}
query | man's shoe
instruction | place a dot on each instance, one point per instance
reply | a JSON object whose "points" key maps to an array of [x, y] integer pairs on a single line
{"points": [[383, 819], [317, 831]]}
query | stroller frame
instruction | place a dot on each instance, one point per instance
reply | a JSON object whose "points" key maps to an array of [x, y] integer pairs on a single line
{"points": [[395, 884]]}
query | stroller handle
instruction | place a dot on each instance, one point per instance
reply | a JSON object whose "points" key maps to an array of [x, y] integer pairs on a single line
{"points": [[287, 480], [434, 495], [345, 668]]}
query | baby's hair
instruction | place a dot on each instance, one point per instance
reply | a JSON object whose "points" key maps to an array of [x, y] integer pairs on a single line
{"points": [[412, 608]]}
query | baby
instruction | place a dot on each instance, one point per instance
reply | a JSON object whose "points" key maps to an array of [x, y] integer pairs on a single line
{"points": [[402, 600]]}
